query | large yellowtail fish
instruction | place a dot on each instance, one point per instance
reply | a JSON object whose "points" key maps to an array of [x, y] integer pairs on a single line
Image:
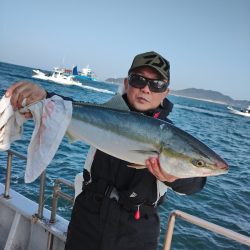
{"points": [[134, 137]]}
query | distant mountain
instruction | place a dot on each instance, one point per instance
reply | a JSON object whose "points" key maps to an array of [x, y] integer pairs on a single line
{"points": [[210, 95]]}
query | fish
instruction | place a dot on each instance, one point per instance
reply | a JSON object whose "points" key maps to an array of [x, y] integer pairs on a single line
{"points": [[134, 137]]}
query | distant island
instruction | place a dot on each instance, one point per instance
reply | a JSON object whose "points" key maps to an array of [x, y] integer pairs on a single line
{"points": [[210, 95], [201, 94]]}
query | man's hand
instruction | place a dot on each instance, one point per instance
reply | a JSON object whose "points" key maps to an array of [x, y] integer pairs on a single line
{"points": [[21, 90], [154, 168], [24, 90]]}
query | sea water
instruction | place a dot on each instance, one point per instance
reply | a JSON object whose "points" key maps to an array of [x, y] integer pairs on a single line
{"points": [[225, 200]]}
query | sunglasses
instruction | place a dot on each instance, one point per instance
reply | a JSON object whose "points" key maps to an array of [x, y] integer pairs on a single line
{"points": [[139, 82]]}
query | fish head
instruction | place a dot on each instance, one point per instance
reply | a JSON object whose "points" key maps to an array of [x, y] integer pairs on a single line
{"points": [[188, 157]]}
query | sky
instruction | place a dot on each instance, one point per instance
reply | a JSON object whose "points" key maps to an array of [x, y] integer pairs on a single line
{"points": [[206, 41]]}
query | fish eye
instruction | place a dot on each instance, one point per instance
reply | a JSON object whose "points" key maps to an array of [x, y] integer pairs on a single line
{"points": [[199, 163]]}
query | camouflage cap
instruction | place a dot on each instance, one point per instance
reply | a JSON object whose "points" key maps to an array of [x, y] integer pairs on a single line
{"points": [[153, 60]]}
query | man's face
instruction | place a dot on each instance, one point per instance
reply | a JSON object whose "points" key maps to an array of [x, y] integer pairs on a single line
{"points": [[144, 99]]}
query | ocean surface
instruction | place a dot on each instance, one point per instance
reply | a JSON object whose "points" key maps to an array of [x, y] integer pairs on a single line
{"points": [[225, 200]]}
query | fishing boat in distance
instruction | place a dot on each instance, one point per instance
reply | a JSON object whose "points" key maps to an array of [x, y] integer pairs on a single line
{"points": [[86, 74], [59, 76], [245, 112]]}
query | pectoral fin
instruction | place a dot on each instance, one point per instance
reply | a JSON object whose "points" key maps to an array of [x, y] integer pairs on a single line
{"points": [[136, 166], [148, 152]]}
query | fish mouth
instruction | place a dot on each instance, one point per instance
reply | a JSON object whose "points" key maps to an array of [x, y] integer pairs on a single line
{"points": [[222, 166]]}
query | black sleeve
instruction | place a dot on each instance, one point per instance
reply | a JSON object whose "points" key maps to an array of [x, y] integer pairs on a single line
{"points": [[187, 185], [50, 94]]}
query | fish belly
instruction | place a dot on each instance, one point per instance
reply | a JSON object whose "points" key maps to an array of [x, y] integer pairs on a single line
{"points": [[113, 144]]}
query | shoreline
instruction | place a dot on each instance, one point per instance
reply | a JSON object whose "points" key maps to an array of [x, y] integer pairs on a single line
{"points": [[201, 99]]}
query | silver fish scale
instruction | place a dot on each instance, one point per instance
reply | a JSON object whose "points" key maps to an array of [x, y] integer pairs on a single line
{"points": [[129, 124]]}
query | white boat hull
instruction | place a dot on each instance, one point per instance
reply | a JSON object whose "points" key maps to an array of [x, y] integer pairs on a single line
{"points": [[237, 112], [66, 80]]}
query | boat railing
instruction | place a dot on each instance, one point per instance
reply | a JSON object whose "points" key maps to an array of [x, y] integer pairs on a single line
{"points": [[56, 189], [8, 170], [201, 223], [58, 193]]}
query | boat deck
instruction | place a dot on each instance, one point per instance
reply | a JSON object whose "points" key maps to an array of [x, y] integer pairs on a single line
{"points": [[21, 229]]}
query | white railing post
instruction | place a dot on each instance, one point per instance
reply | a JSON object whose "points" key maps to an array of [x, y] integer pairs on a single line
{"points": [[204, 224]]}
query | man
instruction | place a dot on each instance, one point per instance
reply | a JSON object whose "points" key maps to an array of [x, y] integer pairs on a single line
{"points": [[117, 208]]}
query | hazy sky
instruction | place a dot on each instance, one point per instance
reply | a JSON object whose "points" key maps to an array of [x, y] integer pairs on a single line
{"points": [[206, 41]]}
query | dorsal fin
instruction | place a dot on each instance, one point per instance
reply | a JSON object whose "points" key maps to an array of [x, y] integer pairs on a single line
{"points": [[116, 102]]}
